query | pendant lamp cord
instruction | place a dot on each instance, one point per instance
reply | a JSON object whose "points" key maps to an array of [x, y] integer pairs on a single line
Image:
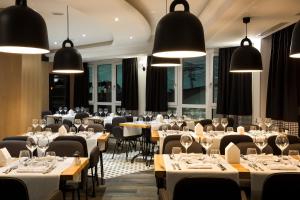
{"points": [[166, 6], [68, 21], [21, 2], [246, 29]]}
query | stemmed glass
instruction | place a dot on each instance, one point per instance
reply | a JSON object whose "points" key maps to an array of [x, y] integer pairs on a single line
{"points": [[119, 111], [179, 122], [123, 111], [281, 142], [268, 123], [60, 109], [100, 110], [186, 140], [43, 143], [42, 123], [224, 122], [206, 142], [216, 123], [261, 141], [150, 115], [169, 113], [77, 123], [65, 110], [259, 122], [31, 145], [145, 116], [105, 111], [35, 123], [85, 123]]}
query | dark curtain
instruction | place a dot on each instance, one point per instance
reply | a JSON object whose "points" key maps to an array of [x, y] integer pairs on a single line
{"points": [[156, 88], [283, 83], [81, 88], [234, 89], [130, 95]]}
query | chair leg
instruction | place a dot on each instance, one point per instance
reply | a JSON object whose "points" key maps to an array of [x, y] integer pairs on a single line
{"points": [[115, 149], [73, 195], [78, 194], [64, 195], [93, 182], [96, 175]]}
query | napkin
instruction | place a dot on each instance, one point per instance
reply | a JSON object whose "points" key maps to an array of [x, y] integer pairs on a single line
{"points": [[111, 114], [5, 157], [33, 169], [199, 129], [71, 112], [281, 167], [159, 118], [232, 154], [62, 130], [199, 166], [240, 130]]}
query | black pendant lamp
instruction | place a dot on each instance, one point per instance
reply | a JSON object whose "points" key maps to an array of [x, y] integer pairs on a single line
{"points": [[179, 34], [295, 43], [246, 58], [67, 60], [23, 30], [164, 62]]}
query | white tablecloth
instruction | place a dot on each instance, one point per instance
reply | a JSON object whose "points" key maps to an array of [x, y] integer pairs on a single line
{"points": [[50, 118], [40, 186]]}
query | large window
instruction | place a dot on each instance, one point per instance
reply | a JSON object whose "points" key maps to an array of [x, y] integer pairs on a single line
{"points": [[171, 84], [104, 80], [215, 78], [119, 82]]}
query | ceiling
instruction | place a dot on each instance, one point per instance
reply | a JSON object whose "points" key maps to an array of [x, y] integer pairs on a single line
{"points": [[105, 29]]}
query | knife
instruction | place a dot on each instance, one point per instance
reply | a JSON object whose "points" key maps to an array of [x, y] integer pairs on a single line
{"points": [[221, 166]]}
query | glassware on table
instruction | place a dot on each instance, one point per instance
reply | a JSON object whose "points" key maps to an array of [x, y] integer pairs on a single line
{"points": [[176, 151], [43, 143], [185, 129], [251, 154], [230, 130], [215, 122], [35, 123], [118, 111], [72, 130], [294, 157], [51, 157], [179, 122], [42, 123], [206, 141], [31, 145], [85, 123], [48, 131], [169, 113], [29, 130], [60, 109], [275, 129], [252, 129], [261, 141], [24, 156], [259, 122], [150, 114], [100, 110], [77, 109], [164, 128], [145, 116], [186, 141], [65, 110], [224, 122], [282, 142], [105, 111], [77, 124], [214, 153], [123, 111], [209, 129], [90, 132], [268, 123]]}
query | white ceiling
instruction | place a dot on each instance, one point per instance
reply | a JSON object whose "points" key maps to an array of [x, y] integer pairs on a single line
{"points": [[106, 38]]}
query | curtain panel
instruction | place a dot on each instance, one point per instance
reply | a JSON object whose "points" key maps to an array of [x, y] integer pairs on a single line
{"points": [[156, 88], [283, 82], [130, 95], [234, 89], [81, 88]]}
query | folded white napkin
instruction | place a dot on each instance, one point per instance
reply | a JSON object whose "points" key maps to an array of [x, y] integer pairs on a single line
{"points": [[5, 157], [71, 112], [281, 167], [159, 118], [232, 154], [199, 166], [62, 130], [240, 130], [199, 129], [33, 169]]}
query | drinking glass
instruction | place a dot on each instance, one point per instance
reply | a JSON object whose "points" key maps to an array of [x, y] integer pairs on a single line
{"points": [[150, 114], [164, 128], [35, 123], [65, 110], [275, 129], [259, 122], [118, 111], [77, 109], [175, 153], [85, 123], [185, 129], [216, 123], [169, 113], [261, 141], [224, 122], [214, 153], [51, 157], [186, 141], [179, 122], [230, 130], [43, 143], [60, 109], [105, 111], [123, 111], [294, 157], [252, 129], [72, 130], [90, 132], [209, 129], [77, 123], [268, 123], [100, 110], [206, 141], [24, 155], [281, 142], [251, 154], [145, 116], [31, 145], [42, 123]]}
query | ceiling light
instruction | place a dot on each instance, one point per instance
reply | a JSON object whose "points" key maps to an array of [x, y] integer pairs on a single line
{"points": [[83, 35], [116, 19], [246, 58], [131, 37], [295, 42], [55, 43], [67, 60], [164, 62], [179, 34], [23, 30]]}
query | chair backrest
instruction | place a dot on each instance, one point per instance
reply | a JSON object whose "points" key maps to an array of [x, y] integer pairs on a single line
{"points": [[205, 122], [68, 122], [19, 137], [171, 141], [243, 146], [281, 186], [117, 120], [129, 118], [13, 146], [271, 141], [45, 113], [295, 146], [234, 139], [96, 127], [55, 127], [206, 188], [175, 127], [66, 148], [81, 115], [79, 139], [13, 188]]}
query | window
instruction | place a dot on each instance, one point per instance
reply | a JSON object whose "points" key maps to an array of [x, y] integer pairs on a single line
{"points": [[171, 84], [215, 78], [119, 75], [90, 69], [194, 113], [104, 82]]}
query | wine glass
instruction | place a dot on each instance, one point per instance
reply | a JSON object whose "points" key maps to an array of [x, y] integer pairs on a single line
{"points": [[90, 132], [186, 140], [72, 130], [100, 110], [31, 145], [85, 123], [150, 114], [251, 154], [77, 109], [24, 155], [281, 142], [42, 123], [224, 122], [229, 130], [252, 129], [215, 122], [261, 141], [209, 129], [206, 141], [268, 123], [43, 143], [169, 113], [65, 110], [105, 111], [123, 111], [119, 111], [35, 123], [60, 109], [145, 115], [259, 122], [179, 122], [77, 123]]}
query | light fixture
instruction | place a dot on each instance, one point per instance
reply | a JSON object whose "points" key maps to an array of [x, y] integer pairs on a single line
{"points": [[295, 42], [246, 58], [179, 34], [23, 30], [164, 62], [67, 60]]}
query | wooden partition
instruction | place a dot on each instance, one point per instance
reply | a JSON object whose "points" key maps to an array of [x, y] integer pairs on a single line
{"points": [[23, 92]]}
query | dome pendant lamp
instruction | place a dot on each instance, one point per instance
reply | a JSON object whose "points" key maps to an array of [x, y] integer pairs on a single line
{"points": [[23, 30], [179, 34], [295, 43], [246, 58], [164, 62], [67, 60]]}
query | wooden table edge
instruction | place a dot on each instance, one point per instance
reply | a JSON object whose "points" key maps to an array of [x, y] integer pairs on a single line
{"points": [[74, 170], [126, 124]]}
